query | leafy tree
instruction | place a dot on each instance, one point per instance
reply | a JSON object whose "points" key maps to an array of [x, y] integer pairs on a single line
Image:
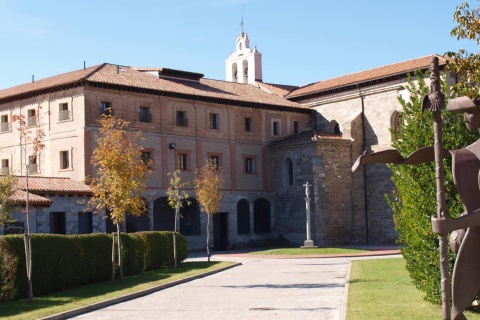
{"points": [[414, 201], [120, 178], [208, 185], [176, 199], [7, 205], [31, 143], [466, 65]]}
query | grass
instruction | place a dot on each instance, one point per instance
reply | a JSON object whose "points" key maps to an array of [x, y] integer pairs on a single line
{"points": [[381, 289], [303, 251], [86, 295]]}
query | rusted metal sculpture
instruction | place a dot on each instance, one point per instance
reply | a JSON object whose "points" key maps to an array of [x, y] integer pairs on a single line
{"points": [[466, 174]]}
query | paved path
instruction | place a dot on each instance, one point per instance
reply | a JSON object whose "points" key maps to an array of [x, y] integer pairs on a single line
{"points": [[260, 288]]}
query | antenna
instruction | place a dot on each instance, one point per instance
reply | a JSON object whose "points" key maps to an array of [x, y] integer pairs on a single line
{"points": [[241, 23]]}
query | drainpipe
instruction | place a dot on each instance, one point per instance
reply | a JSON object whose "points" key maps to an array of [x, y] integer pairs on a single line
{"points": [[364, 147]]}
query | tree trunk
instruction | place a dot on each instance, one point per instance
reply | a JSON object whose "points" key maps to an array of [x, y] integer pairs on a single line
{"points": [[208, 237], [28, 263], [175, 239], [120, 264], [113, 257]]}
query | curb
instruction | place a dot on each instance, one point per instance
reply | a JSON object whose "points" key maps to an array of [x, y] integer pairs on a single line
{"points": [[134, 295]]}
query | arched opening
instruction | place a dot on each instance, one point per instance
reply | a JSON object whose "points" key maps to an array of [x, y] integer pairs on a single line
{"points": [[243, 217], [261, 216], [287, 172], [138, 223], [395, 124], [245, 71], [164, 217], [234, 72], [334, 127]]}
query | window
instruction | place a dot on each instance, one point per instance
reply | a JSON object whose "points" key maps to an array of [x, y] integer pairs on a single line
{"points": [[216, 158], [182, 159], [296, 127], [106, 108], [287, 172], [276, 128], [395, 124], [147, 158], [5, 166], [4, 124], [249, 164], [182, 120], [85, 224], [32, 164], [144, 114], [31, 118], [248, 125], [63, 112], [64, 160], [214, 120]]}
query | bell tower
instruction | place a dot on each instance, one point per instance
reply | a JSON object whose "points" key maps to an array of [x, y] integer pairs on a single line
{"points": [[244, 65]]}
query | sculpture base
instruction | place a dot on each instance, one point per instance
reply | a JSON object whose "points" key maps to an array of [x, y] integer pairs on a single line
{"points": [[308, 244]]}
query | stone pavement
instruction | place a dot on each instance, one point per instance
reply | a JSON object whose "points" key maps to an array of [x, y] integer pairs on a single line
{"points": [[308, 287]]}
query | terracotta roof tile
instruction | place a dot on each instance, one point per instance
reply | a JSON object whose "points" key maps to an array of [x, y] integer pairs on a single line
{"points": [[311, 135], [400, 68], [121, 76], [20, 197], [278, 89], [53, 185]]}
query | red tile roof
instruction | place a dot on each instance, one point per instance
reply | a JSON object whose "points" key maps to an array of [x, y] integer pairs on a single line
{"points": [[20, 197], [122, 77], [395, 69], [53, 185], [278, 89]]}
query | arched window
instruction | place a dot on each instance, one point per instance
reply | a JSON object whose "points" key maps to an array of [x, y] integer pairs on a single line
{"points": [[234, 72], [395, 124], [245, 71], [138, 223], [243, 217], [164, 217], [261, 216], [334, 127], [287, 172]]}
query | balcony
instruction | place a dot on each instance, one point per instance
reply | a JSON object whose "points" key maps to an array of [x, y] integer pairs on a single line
{"points": [[63, 115]]}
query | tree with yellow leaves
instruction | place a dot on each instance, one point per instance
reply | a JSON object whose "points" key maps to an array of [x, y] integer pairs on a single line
{"points": [[120, 177], [208, 185]]}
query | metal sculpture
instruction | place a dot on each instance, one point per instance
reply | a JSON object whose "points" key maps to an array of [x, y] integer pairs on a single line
{"points": [[466, 174]]}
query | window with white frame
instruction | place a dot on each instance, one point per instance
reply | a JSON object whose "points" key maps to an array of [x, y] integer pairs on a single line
{"points": [[4, 123], [32, 164], [31, 117], [64, 160], [63, 112]]}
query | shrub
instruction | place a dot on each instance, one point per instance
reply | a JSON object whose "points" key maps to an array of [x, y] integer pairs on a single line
{"points": [[64, 261]]}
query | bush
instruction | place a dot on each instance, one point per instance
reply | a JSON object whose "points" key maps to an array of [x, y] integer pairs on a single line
{"points": [[414, 200], [64, 261]]}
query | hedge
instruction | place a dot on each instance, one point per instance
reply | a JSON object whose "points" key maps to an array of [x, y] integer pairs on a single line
{"points": [[65, 261]]}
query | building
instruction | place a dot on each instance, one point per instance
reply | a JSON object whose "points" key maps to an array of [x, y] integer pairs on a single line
{"points": [[269, 139]]}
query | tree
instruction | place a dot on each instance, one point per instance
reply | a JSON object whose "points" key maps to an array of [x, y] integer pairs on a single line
{"points": [[414, 200], [466, 65], [120, 178], [31, 143], [176, 199], [208, 185], [7, 205]]}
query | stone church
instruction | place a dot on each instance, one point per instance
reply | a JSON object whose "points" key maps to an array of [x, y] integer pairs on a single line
{"points": [[270, 140]]}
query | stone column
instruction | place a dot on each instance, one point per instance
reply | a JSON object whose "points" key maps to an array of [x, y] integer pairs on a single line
{"points": [[309, 242]]}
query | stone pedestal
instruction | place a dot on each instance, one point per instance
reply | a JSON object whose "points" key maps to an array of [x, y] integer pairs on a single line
{"points": [[308, 244]]}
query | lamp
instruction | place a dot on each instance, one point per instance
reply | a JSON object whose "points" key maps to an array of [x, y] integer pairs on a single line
{"points": [[172, 145]]}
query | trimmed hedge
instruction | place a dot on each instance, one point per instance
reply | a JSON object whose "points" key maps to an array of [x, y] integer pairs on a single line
{"points": [[65, 261]]}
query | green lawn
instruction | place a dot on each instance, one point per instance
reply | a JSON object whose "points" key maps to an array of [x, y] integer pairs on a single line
{"points": [[301, 251], [85, 295], [381, 289]]}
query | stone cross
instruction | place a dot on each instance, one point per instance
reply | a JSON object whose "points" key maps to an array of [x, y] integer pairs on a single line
{"points": [[308, 243]]}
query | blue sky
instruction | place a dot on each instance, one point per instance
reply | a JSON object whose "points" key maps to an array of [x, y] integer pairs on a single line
{"points": [[301, 41]]}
